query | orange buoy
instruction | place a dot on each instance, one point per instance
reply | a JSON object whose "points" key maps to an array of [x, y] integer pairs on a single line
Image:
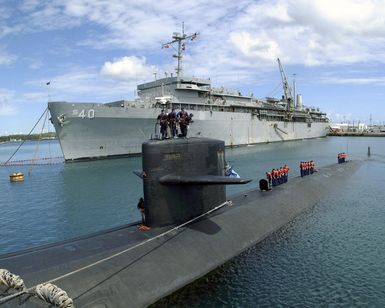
{"points": [[16, 177]]}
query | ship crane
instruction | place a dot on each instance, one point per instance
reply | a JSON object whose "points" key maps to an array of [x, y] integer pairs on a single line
{"points": [[179, 38], [286, 88]]}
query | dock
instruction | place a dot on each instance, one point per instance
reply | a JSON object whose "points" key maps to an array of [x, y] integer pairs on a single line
{"points": [[356, 134]]}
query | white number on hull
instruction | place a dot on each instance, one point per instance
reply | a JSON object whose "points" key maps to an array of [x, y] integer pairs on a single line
{"points": [[90, 114]]}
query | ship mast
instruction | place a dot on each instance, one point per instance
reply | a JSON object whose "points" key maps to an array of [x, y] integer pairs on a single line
{"points": [[286, 88], [179, 38]]}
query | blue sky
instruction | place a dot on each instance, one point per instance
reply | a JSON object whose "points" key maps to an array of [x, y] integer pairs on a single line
{"points": [[98, 51]]}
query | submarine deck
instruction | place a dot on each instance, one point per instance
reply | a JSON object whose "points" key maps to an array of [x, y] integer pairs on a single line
{"points": [[174, 260]]}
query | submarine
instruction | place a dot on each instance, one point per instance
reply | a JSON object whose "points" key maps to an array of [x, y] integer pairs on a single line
{"points": [[193, 228]]}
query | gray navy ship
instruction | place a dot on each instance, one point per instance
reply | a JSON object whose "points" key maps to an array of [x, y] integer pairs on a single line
{"points": [[103, 130]]}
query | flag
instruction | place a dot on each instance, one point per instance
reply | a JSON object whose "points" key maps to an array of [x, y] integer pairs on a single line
{"points": [[166, 46], [194, 36], [230, 172]]}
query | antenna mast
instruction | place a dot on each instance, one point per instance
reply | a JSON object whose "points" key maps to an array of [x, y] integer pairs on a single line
{"points": [[179, 38]]}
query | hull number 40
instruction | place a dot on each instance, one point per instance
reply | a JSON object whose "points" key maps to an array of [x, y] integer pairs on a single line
{"points": [[89, 114]]}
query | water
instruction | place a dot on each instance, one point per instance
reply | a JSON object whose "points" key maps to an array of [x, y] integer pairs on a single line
{"points": [[332, 255], [61, 201]]}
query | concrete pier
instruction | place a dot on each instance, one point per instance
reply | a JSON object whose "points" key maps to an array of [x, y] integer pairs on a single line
{"points": [[100, 270]]}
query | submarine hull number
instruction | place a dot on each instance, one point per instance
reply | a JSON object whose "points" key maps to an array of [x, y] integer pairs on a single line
{"points": [[89, 114]]}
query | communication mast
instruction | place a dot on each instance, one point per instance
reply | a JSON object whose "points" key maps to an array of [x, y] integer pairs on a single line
{"points": [[286, 88], [179, 38]]}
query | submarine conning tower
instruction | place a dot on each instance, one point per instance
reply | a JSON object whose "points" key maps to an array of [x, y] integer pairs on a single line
{"points": [[183, 178]]}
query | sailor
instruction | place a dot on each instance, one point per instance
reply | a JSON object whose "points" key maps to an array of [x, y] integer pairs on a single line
{"points": [[280, 175], [301, 168], [343, 157], [286, 169], [274, 176], [182, 118], [162, 120], [268, 178], [311, 167], [141, 209], [189, 120], [172, 120]]}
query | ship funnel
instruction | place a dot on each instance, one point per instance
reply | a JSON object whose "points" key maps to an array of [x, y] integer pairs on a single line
{"points": [[183, 178], [299, 102]]}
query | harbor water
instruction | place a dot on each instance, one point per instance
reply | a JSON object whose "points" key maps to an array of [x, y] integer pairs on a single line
{"points": [[331, 255]]}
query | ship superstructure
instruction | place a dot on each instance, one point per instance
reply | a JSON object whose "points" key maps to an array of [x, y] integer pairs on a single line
{"points": [[94, 130]]}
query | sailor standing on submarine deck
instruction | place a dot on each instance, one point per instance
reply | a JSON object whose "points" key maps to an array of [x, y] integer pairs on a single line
{"points": [[162, 118], [141, 209], [182, 117], [172, 120]]}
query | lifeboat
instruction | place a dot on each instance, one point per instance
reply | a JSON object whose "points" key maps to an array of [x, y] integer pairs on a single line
{"points": [[16, 177]]}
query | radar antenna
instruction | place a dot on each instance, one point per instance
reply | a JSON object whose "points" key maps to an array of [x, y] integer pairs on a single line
{"points": [[286, 88], [179, 38]]}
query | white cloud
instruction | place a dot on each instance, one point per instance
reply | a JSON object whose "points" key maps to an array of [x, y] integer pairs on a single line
{"points": [[255, 46], [304, 32], [355, 80], [6, 103], [127, 68], [80, 85], [6, 58], [317, 32]]}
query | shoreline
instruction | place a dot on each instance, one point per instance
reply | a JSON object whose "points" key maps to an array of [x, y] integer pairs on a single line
{"points": [[356, 134]]}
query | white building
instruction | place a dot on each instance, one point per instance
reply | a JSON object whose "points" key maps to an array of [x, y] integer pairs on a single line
{"points": [[349, 127]]}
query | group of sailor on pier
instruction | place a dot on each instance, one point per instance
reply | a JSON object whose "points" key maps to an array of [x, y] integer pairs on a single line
{"points": [[171, 123]]}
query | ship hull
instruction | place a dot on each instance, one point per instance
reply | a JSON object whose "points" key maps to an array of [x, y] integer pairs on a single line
{"points": [[95, 131]]}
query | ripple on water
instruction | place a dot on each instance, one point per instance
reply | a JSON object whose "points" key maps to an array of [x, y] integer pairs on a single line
{"points": [[331, 255]]}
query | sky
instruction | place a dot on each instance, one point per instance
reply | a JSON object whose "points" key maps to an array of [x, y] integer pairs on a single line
{"points": [[99, 50]]}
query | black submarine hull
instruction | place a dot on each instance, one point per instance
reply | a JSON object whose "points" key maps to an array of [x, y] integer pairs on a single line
{"points": [[102, 271]]}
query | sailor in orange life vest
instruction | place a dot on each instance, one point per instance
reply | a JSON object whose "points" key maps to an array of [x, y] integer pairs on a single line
{"points": [[286, 173], [269, 178], [301, 169], [274, 174], [311, 166], [281, 175]]}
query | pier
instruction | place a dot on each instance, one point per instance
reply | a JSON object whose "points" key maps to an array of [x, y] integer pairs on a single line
{"points": [[356, 134]]}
